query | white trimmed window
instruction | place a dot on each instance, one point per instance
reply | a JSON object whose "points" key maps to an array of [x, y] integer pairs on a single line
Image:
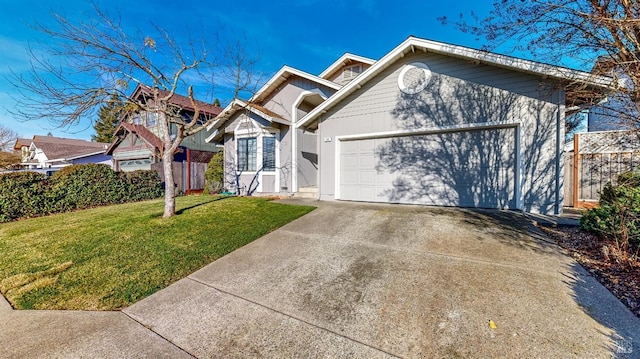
{"points": [[247, 153]]}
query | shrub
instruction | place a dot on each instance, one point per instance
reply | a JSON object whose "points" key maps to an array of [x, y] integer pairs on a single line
{"points": [[22, 194], [87, 185], [143, 185], [29, 194], [214, 175], [618, 216]]}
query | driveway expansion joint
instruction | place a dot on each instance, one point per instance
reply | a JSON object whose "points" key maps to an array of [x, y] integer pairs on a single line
{"points": [[292, 317], [146, 327]]}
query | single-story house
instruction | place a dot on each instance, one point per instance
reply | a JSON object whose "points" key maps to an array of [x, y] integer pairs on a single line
{"points": [[48, 154], [428, 123]]}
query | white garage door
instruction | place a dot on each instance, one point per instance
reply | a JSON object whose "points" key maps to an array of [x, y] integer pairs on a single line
{"points": [[466, 169]]}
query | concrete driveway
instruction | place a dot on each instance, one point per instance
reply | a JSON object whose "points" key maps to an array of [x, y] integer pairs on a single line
{"points": [[362, 281]]}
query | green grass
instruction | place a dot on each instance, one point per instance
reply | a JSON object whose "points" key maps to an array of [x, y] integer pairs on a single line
{"points": [[110, 257]]}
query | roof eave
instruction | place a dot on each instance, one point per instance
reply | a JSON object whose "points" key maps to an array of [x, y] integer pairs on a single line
{"points": [[341, 61], [415, 44], [282, 75]]}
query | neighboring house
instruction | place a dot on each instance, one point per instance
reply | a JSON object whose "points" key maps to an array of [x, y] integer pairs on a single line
{"points": [[21, 148], [429, 123], [48, 154], [137, 144]]}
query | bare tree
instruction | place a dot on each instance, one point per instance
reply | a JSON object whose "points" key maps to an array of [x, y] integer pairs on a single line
{"points": [[93, 59], [601, 34], [7, 138]]}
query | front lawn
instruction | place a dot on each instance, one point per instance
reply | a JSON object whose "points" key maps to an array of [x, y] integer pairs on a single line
{"points": [[110, 257]]}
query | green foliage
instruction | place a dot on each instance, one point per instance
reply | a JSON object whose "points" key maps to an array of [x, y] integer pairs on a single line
{"points": [[144, 185], [108, 119], [84, 186], [22, 195], [618, 216], [214, 176], [630, 179], [29, 194]]}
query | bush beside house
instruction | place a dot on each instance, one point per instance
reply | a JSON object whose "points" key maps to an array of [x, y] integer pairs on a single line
{"points": [[618, 216], [214, 176], [30, 194]]}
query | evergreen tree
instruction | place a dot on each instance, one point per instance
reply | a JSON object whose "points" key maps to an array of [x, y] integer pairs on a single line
{"points": [[108, 119]]}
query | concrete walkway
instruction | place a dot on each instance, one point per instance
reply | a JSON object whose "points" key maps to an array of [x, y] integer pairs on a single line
{"points": [[362, 281]]}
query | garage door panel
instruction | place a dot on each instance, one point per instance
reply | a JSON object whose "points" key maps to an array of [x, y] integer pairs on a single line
{"points": [[366, 160], [367, 177], [467, 168], [350, 177]]}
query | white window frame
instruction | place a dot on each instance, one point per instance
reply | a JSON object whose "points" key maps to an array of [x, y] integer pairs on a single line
{"points": [[259, 134], [349, 73]]}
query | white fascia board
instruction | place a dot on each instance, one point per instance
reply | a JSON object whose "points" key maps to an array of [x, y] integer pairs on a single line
{"points": [[212, 136], [513, 63], [231, 109], [339, 62], [223, 115], [282, 75], [83, 155], [415, 44]]}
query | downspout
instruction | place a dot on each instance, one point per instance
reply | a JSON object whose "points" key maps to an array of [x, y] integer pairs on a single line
{"points": [[559, 137]]}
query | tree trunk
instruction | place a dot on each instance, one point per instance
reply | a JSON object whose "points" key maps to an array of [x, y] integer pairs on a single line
{"points": [[170, 186]]}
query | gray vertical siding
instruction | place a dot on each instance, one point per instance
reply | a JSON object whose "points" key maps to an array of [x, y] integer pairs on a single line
{"points": [[458, 93]]}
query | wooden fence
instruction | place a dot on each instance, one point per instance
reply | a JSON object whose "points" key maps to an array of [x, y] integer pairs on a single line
{"points": [[597, 159], [181, 175]]}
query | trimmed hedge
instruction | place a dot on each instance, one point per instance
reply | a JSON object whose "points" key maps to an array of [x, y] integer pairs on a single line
{"points": [[23, 194], [143, 185], [30, 194]]}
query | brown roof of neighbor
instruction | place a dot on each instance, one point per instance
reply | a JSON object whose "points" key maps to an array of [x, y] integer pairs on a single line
{"points": [[182, 101], [139, 130], [20, 142], [58, 147]]}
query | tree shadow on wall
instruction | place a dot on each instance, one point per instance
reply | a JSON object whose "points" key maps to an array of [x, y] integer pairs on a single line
{"points": [[467, 168]]}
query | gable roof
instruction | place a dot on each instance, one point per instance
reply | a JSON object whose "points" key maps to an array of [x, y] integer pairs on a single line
{"points": [[281, 76], [343, 60], [413, 44], [20, 142], [66, 148], [147, 136], [181, 101], [237, 105]]}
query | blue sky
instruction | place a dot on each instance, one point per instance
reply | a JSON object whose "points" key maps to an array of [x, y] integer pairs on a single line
{"points": [[306, 34]]}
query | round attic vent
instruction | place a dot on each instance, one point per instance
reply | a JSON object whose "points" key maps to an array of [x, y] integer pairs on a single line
{"points": [[414, 77]]}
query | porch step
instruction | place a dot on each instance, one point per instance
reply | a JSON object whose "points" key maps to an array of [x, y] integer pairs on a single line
{"points": [[306, 192]]}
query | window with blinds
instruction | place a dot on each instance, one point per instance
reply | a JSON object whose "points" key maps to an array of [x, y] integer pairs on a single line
{"points": [[268, 153]]}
